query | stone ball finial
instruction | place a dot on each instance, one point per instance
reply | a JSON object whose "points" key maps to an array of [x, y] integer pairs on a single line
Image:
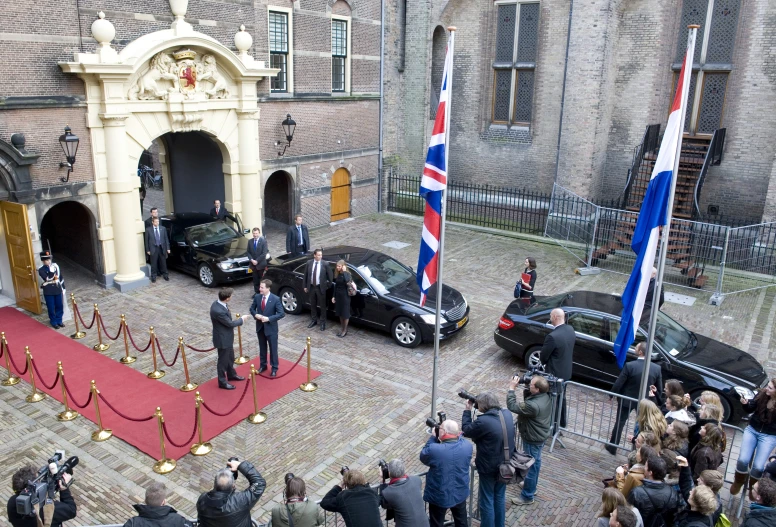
{"points": [[18, 141], [243, 40], [102, 30]]}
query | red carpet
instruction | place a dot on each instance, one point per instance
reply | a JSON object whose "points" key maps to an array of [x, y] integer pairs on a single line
{"points": [[131, 392]]}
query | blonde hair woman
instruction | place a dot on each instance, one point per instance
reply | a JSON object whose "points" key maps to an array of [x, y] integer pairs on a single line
{"points": [[610, 499], [340, 298], [651, 419]]}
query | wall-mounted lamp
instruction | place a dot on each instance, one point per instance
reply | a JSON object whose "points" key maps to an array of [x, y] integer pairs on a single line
{"points": [[69, 143], [289, 125]]}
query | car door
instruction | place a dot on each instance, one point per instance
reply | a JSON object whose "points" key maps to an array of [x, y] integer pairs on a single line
{"points": [[365, 305], [298, 283], [592, 340], [178, 247]]}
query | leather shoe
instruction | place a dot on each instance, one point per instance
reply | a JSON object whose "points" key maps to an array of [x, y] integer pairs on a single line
{"points": [[61, 325], [153, 280], [226, 386], [262, 369], [323, 326], [312, 323], [612, 450], [166, 278], [274, 373], [237, 378]]}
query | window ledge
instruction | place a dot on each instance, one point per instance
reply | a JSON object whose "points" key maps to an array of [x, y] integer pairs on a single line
{"points": [[503, 134]]}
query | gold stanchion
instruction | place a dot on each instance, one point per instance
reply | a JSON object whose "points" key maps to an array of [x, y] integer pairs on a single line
{"points": [[157, 373], [103, 434], [127, 358], [189, 386], [164, 465], [12, 379], [242, 359], [67, 414], [98, 320], [35, 396], [78, 333], [200, 448], [309, 386], [256, 417]]}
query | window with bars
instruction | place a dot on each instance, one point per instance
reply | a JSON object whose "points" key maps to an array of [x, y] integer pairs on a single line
{"points": [[517, 35], [339, 54], [278, 50]]}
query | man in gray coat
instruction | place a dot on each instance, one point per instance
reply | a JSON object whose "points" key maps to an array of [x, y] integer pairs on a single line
{"points": [[402, 497], [158, 248], [223, 337]]}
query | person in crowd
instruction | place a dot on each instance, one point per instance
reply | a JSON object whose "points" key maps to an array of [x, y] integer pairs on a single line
{"points": [[712, 479], [64, 509], [354, 500], [447, 483], [218, 212], [676, 438], [557, 353], [762, 510], [303, 513], [654, 497], [707, 454], [650, 418], [770, 468], [487, 432], [610, 500], [157, 248], [628, 384], [702, 504], [224, 505], [672, 387], [149, 221], [267, 310], [340, 298], [155, 512], [628, 477], [710, 412], [402, 497], [258, 252], [53, 285], [759, 436], [623, 516], [317, 280], [672, 467], [142, 193], [527, 288], [223, 338], [297, 237], [534, 423], [644, 438], [676, 409]]}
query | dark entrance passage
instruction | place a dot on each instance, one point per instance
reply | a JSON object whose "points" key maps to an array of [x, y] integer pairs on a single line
{"points": [[278, 197], [70, 231], [196, 172]]}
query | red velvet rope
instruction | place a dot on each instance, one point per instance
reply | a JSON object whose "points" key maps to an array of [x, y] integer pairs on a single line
{"points": [[40, 377], [78, 312], [72, 399], [245, 390], [185, 443], [142, 420], [105, 330], [174, 360], [20, 372], [192, 348], [2, 349], [129, 334], [289, 371]]}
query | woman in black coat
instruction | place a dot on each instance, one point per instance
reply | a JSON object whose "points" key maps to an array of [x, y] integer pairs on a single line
{"points": [[341, 299], [527, 288], [354, 500]]}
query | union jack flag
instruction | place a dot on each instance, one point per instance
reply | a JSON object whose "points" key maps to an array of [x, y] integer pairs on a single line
{"points": [[433, 184]]}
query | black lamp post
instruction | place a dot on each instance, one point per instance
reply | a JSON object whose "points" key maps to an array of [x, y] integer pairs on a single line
{"points": [[69, 143], [289, 125]]}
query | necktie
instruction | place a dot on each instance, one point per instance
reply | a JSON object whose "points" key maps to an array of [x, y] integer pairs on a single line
{"points": [[315, 274], [217, 211], [263, 303], [156, 233], [299, 230], [255, 244]]}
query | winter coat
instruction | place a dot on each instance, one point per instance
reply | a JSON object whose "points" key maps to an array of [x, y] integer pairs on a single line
{"points": [[447, 481], [487, 434], [304, 514], [760, 516], [232, 508], [654, 497], [162, 516], [704, 458], [359, 506], [404, 502], [534, 416]]}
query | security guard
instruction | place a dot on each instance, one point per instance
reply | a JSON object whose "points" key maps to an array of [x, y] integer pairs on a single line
{"points": [[53, 286]]}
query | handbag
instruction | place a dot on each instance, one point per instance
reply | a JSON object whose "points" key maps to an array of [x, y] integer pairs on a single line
{"points": [[518, 288], [515, 467], [352, 289]]}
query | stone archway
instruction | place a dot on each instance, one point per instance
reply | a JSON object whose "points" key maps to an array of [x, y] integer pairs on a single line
{"points": [[68, 230], [278, 199], [195, 171]]}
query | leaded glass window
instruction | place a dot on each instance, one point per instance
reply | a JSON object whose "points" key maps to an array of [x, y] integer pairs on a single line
{"points": [[278, 50], [339, 54]]}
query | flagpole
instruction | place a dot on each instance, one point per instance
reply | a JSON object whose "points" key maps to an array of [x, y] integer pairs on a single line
{"points": [[664, 235], [440, 255]]}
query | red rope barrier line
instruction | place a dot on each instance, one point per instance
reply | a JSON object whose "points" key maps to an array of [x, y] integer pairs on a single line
{"points": [[1, 351], [174, 360], [192, 348], [185, 443], [289, 371], [105, 330], [72, 399], [129, 334], [89, 326], [245, 390], [142, 420], [20, 372], [40, 377]]}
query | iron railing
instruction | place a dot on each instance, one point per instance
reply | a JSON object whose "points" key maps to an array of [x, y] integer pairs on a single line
{"points": [[713, 158], [649, 144]]}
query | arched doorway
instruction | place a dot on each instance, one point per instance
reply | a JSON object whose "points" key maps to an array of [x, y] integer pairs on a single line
{"points": [[340, 194], [69, 230], [195, 168], [278, 197]]}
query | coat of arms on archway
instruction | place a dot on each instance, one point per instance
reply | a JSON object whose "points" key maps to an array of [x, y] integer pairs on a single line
{"points": [[180, 72]]}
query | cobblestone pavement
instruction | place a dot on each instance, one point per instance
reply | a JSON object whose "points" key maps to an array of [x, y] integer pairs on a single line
{"points": [[373, 396]]}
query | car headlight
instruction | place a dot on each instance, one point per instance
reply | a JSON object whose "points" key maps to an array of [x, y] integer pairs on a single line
{"points": [[225, 265], [746, 393], [431, 319]]}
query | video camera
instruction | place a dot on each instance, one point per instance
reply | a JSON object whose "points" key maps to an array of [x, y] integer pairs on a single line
{"points": [[463, 394], [434, 425], [525, 380], [43, 488]]}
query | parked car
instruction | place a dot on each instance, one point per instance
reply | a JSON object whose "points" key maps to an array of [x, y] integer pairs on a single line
{"points": [[699, 362], [387, 290], [215, 251]]}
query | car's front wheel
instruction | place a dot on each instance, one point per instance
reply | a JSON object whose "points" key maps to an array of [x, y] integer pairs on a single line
{"points": [[290, 301], [726, 410], [532, 357], [205, 275], [405, 332]]}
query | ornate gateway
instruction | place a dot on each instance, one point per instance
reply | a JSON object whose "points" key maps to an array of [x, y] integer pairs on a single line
{"points": [[185, 74]]}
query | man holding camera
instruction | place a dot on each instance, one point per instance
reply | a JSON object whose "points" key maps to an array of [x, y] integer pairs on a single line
{"points": [[354, 500], [155, 512], [448, 456], [534, 422], [401, 496], [224, 506], [64, 509]]}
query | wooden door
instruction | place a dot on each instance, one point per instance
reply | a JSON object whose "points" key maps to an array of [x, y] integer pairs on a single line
{"points": [[19, 245], [340, 195]]}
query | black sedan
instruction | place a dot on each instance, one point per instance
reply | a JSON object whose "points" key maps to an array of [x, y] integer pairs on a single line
{"points": [[215, 251], [388, 295], [699, 362]]}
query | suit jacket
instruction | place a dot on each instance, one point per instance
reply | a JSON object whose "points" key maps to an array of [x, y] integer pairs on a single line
{"points": [[258, 253], [223, 326], [629, 381], [150, 239], [148, 222], [273, 310], [292, 238], [558, 351], [222, 212], [325, 275]]}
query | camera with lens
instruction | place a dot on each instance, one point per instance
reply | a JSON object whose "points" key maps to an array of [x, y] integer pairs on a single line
{"points": [[235, 473], [463, 394], [434, 425], [525, 380], [344, 469], [383, 469], [45, 486]]}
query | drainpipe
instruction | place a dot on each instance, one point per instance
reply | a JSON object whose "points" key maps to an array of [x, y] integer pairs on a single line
{"points": [[380, 121], [563, 92]]}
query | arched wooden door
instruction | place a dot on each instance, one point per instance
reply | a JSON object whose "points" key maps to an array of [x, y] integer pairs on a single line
{"points": [[340, 195]]}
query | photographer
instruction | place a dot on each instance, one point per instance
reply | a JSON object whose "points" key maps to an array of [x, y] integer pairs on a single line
{"points": [[226, 507], [64, 509], [156, 512], [302, 513], [487, 432], [447, 483], [358, 504], [534, 422], [402, 498]]}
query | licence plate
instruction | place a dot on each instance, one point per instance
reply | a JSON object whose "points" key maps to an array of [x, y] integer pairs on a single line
{"points": [[250, 270], [462, 322]]}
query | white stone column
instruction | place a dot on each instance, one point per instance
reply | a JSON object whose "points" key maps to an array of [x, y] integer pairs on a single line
{"points": [[250, 179]]}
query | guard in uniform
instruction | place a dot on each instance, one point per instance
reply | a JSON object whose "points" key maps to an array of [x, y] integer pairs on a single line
{"points": [[53, 285]]}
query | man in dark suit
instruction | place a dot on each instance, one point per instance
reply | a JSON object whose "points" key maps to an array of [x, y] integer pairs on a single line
{"points": [[267, 310], [157, 247], [218, 212], [149, 220], [258, 253], [558, 352], [628, 384], [317, 280], [297, 237], [223, 337]]}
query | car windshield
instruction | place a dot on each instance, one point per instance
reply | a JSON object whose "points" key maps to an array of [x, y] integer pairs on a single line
{"points": [[385, 274], [672, 337], [209, 233]]}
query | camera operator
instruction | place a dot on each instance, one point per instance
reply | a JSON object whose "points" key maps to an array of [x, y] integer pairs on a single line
{"points": [[224, 506], [64, 509], [302, 513], [447, 483], [534, 422], [358, 504], [487, 433], [401, 497], [155, 512]]}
